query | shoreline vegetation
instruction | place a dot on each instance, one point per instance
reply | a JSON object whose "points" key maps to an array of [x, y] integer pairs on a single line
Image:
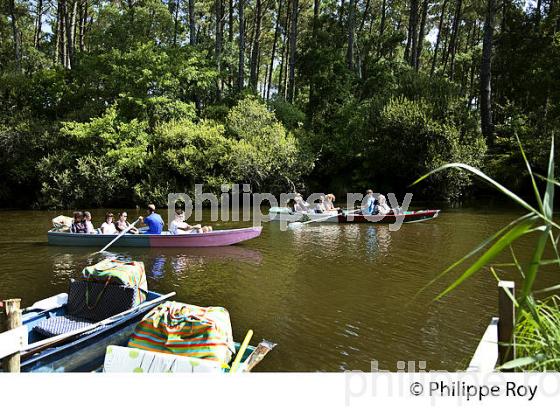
{"points": [[106, 104]]}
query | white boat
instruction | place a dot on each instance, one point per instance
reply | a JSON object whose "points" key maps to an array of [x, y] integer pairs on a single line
{"points": [[287, 214]]}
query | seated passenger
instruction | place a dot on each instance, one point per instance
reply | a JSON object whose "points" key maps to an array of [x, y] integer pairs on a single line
{"points": [[108, 227], [320, 207], [122, 224], [329, 203], [89, 224], [383, 208], [78, 225], [370, 204], [299, 204], [153, 220], [179, 227]]}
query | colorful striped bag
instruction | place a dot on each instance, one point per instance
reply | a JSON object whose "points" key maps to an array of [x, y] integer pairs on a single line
{"points": [[186, 330], [111, 271]]}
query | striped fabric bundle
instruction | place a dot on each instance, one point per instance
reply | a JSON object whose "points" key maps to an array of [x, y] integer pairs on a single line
{"points": [[114, 271], [186, 330]]}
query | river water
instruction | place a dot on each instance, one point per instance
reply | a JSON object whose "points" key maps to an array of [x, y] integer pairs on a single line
{"points": [[334, 297]]}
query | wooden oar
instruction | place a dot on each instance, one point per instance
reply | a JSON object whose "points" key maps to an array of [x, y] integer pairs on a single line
{"points": [[128, 228], [241, 351], [258, 354], [293, 225], [43, 344]]}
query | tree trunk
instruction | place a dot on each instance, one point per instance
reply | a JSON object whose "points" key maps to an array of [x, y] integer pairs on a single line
{"points": [[83, 22], [230, 23], [412, 41], [241, 66], [176, 21], [219, 44], [486, 123], [253, 78], [382, 27], [192, 25], [15, 33], [422, 33], [350, 49], [38, 24], [293, 43], [273, 53], [454, 37], [366, 11]]}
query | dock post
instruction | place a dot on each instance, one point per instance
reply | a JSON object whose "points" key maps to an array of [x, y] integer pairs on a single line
{"points": [[12, 320], [506, 323]]}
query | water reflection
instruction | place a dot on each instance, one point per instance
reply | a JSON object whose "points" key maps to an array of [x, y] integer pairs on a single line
{"points": [[375, 240], [68, 261]]}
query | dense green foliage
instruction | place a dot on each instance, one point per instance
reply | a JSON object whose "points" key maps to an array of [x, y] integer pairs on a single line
{"points": [[122, 102]]}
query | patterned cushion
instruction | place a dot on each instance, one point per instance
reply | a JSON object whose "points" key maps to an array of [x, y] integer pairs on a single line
{"points": [[60, 324], [94, 301]]}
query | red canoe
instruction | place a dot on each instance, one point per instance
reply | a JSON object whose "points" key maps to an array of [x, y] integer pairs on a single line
{"points": [[409, 216]]}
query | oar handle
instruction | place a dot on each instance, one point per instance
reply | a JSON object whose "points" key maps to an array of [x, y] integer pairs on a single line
{"points": [[242, 349], [128, 228]]}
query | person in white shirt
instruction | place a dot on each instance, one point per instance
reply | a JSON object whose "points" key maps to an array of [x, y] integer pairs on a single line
{"points": [[383, 208], [179, 227], [329, 203], [108, 227], [299, 204]]}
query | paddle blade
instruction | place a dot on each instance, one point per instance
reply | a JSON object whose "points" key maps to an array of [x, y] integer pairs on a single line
{"points": [[295, 225]]}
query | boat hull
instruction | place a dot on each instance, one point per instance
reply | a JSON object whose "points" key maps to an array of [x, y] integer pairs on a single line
{"points": [[409, 217], [223, 237], [287, 215]]}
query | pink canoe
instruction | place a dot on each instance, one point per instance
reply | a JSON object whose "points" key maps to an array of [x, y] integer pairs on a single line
{"points": [[222, 237]]}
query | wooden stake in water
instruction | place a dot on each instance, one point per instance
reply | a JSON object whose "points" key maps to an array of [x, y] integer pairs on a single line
{"points": [[12, 312]]}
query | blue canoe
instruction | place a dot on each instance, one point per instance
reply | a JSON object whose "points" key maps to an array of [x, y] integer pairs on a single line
{"points": [[83, 350]]}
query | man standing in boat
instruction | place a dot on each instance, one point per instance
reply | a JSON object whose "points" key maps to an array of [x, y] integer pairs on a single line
{"points": [[153, 220]]}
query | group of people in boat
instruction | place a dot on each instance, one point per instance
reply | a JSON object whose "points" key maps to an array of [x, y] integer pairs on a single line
{"points": [[82, 223], [371, 205]]}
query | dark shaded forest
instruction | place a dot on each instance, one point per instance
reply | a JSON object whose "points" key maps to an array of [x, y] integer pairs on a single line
{"points": [[121, 102]]}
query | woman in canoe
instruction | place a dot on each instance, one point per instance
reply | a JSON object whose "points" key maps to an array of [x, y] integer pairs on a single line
{"points": [[108, 227], [88, 223], [122, 224], [329, 203], [179, 227], [370, 206]]}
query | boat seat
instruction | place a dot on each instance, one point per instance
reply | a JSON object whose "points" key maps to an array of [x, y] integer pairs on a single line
{"points": [[60, 324], [102, 302]]}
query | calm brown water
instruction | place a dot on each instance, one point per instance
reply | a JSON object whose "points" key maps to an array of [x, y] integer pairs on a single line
{"points": [[334, 297]]}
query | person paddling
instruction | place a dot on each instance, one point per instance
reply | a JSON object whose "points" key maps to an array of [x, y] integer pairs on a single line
{"points": [[153, 220]]}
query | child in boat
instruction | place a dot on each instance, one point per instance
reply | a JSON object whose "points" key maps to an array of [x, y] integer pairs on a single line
{"points": [[122, 224], [179, 227], [88, 223], [108, 227], [320, 207], [299, 204], [78, 225]]}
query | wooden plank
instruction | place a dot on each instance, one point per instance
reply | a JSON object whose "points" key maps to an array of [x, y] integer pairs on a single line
{"points": [[13, 320], [12, 341], [506, 325], [486, 355]]}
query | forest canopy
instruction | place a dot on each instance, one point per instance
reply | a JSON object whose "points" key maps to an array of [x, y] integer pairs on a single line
{"points": [[121, 102]]}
